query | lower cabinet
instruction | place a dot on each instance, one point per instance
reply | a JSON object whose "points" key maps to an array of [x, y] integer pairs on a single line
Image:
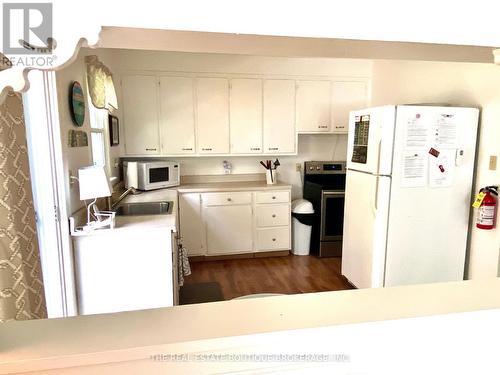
{"points": [[229, 229], [192, 231], [235, 222], [272, 221], [272, 239]]}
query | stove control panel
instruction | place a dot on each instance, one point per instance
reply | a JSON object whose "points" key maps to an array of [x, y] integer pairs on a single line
{"points": [[324, 167]]}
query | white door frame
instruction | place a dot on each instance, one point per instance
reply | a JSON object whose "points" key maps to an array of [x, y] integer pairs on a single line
{"points": [[47, 179]]}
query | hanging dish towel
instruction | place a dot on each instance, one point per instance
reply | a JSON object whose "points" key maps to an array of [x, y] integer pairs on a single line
{"points": [[183, 267]]}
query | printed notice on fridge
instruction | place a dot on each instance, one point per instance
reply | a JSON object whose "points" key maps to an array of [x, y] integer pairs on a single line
{"points": [[414, 169], [417, 133], [445, 134], [442, 169]]}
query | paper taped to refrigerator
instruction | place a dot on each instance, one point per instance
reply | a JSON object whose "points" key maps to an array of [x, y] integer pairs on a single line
{"points": [[445, 134], [414, 169], [417, 133], [442, 169]]}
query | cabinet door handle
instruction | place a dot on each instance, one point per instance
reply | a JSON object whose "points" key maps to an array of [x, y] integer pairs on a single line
{"points": [[187, 149], [206, 149], [150, 149], [274, 215], [322, 127], [273, 148], [274, 239], [229, 199], [274, 197], [254, 148]]}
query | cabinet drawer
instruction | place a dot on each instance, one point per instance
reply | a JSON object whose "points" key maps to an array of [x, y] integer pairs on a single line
{"points": [[225, 199], [273, 215], [273, 239], [272, 197]]}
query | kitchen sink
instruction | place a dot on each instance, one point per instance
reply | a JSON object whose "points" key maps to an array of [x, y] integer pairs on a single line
{"points": [[144, 208]]}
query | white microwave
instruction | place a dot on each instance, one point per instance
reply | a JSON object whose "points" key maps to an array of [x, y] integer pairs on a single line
{"points": [[150, 175]]}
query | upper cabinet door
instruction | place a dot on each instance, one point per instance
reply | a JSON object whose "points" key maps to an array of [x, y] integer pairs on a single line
{"points": [[212, 114], [177, 115], [347, 96], [140, 115], [313, 106], [279, 116], [245, 116]]}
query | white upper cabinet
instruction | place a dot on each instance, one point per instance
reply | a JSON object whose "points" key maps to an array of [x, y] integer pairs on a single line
{"points": [[279, 116], [172, 115], [177, 115], [140, 115], [212, 115], [245, 114], [347, 96], [313, 106]]}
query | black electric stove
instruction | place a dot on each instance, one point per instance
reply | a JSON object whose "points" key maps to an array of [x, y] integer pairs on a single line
{"points": [[324, 187]]}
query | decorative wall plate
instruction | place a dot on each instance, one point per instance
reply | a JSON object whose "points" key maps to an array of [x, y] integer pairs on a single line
{"points": [[77, 103]]}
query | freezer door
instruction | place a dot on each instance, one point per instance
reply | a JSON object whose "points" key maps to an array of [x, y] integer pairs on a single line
{"points": [[365, 228], [429, 216], [370, 140]]}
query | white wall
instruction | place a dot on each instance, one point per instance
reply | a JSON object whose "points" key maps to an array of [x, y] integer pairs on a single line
{"points": [[459, 84], [77, 157]]}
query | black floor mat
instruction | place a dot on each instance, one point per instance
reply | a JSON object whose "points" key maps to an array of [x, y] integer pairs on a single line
{"points": [[199, 293]]}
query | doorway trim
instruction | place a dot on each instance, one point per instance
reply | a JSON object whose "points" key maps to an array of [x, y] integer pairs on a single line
{"points": [[47, 179]]}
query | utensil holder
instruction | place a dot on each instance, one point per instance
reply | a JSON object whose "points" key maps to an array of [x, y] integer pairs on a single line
{"points": [[268, 177]]}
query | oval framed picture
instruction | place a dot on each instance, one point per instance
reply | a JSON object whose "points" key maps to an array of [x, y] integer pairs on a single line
{"points": [[77, 103]]}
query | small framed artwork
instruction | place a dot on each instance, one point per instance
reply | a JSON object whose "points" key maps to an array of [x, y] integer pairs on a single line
{"points": [[114, 130]]}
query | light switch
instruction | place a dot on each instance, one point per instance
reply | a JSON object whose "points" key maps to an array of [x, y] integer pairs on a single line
{"points": [[493, 162]]}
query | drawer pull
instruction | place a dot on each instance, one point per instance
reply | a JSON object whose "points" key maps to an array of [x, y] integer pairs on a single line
{"points": [[274, 239], [274, 197], [229, 199], [206, 149], [274, 215]]}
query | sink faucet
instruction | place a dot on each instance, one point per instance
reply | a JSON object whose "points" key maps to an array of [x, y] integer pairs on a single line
{"points": [[124, 194]]}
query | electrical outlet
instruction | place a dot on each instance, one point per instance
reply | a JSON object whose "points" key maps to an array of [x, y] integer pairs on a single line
{"points": [[298, 167], [493, 163]]}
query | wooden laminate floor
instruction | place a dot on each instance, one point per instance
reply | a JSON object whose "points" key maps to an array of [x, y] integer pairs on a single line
{"points": [[287, 275]]}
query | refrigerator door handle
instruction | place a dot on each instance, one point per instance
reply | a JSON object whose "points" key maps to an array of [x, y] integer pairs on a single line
{"points": [[378, 156], [375, 199]]}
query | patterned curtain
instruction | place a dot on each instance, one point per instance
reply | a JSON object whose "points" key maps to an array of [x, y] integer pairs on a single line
{"points": [[21, 285]]}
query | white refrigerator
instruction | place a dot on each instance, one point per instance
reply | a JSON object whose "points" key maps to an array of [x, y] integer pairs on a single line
{"points": [[408, 194]]}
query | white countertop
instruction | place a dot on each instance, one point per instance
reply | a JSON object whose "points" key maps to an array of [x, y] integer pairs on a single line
{"points": [[143, 222], [129, 336], [230, 186]]}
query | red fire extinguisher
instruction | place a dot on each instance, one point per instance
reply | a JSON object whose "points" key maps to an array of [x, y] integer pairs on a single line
{"points": [[486, 213]]}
